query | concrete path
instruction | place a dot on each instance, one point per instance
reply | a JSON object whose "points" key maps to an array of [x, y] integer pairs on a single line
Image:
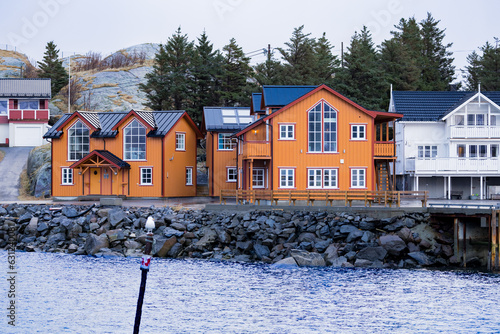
{"points": [[10, 169]]}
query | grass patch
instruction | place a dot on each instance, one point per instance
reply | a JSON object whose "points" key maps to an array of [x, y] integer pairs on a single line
{"points": [[24, 188], [2, 155]]}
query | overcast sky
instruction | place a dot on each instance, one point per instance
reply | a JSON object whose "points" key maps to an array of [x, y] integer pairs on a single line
{"points": [[109, 25]]}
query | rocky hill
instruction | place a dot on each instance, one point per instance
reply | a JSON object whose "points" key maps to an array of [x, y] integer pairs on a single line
{"points": [[110, 87]]}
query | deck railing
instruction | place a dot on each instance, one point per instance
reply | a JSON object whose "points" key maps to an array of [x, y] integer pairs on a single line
{"points": [[384, 149], [368, 197], [257, 149]]}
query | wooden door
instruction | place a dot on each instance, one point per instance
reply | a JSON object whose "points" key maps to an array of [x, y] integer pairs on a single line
{"points": [[95, 181]]}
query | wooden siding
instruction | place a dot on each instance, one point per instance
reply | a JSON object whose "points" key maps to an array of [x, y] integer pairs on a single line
{"points": [[217, 162], [168, 166]]}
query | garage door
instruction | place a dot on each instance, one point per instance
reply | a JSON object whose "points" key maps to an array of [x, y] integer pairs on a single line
{"points": [[27, 135]]}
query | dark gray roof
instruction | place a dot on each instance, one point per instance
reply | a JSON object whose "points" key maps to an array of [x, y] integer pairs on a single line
{"points": [[18, 87], [432, 106], [216, 121], [112, 158], [105, 121], [147, 116]]}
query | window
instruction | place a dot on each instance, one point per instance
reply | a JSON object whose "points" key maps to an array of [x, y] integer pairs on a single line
{"points": [[358, 132], [459, 119], [180, 141], [472, 151], [146, 176], [232, 174], [78, 141], [314, 178], [493, 120], [67, 176], [287, 131], [28, 104], [427, 151], [475, 119], [134, 136], [3, 106], [287, 178], [461, 150], [483, 151], [258, 178], [225, 143], [494, 150], [358, 178], [322, 127], [189, 176], [322, 178]]}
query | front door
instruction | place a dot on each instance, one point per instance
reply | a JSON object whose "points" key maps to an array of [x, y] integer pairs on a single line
{"points": [[95, 181]]}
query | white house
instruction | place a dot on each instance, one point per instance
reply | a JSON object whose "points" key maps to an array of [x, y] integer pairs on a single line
{"points": [[448, 143], [24, 111]]}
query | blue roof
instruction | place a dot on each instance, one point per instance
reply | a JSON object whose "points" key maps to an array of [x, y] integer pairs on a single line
{"points": [[256, 102], [226, 119], [162, 121], [432, 106], [279, 96]]}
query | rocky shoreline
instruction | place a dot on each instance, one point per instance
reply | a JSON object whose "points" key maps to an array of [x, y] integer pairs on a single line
{"points": [[295, 238]]}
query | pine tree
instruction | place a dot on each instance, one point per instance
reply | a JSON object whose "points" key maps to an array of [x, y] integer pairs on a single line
{"points": [[51, 67], [269, 72], [362, 78], [485, 69], [438, 71], [326, 64], [235, 88], [158, 97]]}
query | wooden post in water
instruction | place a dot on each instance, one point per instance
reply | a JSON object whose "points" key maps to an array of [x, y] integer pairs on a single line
{"points": [[494, 240], [464, 252], [145, 262]]}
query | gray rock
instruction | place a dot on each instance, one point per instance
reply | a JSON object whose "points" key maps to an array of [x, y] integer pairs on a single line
{"points": [[321, 246], [351, 255], [393, 244], [42, 181], [171, 232], [131, 244], [244, 245], [69, 211], [55, 238], [330, 254], [421, 258], [175, 250], [339, 262], [178, 226], [115, 235], [93, 227], [307, 259], [253, 227], [115, 216], [209, 237], [42, 226], [346, 229], [367, 224], [354, 235], [72, 248], [75, 231], [261, 251], [31, 229], [167, 246], [367, 236], [372, 254], [286, 263], [222, 234], [94, 243], [24, 218], [362, 263]]}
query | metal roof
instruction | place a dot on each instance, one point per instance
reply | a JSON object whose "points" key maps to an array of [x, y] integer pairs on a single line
{"points": [[112, 158], [92, 117], [226, 119], [52, 132], [279, 96], [108, 121], [427, 106], [19, 87], [256, 102], [147, 116], [165, 120]]}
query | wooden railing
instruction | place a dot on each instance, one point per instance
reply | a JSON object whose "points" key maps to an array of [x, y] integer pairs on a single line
{"points": [[31, 114], [387, 198], [259, 149], [384, 149]]}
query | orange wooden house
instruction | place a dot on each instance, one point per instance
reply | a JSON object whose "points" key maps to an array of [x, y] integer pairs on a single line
{"points": [[311, 137], [218, 124], [130, 154]]}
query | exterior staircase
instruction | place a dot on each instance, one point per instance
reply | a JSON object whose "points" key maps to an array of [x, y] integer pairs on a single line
{"points": [[384, 182]]}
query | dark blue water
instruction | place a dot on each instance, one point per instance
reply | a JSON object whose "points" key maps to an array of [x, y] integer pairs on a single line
{"points": [[74, 294]]}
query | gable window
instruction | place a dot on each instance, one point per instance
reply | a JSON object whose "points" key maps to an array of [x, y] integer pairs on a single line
{"points": [[287, 178], [475, 119], [66, 176], [189, 176], [231, 174], [322, 128], [358, 178], [180, 141], [358, 132], [459, 119], [225, 143], [28, 104], [287, 131], [3, 106], [78, 141], [258, 178], [134, 136], [427, 151], [146, 176]]}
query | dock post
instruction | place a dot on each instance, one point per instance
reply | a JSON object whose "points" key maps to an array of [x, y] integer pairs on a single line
{"points": [[494, 240], [464, 252]]}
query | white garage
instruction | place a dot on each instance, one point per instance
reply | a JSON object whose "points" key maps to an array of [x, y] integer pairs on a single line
{"points": [[27, 134]]}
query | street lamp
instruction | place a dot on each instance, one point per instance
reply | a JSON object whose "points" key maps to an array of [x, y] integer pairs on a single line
{"points": [[146, 260]]}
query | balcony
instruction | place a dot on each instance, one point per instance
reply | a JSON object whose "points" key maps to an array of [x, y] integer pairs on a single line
{"points": [[29, 115], [460, 131], [257, 150], [384, 149], [440, 166]]}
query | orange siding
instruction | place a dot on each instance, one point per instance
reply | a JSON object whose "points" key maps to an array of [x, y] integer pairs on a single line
{"points": [[294, 153], [218, 164]]}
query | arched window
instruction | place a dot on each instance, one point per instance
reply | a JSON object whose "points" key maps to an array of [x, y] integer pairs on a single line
{"points": [[322, 128], [78, 141], [134, 141]]}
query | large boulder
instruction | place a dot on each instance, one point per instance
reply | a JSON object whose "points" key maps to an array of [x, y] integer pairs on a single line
{"points": [[94, 243], [307, 259], [288, 262], [421, 258], [393, 244], [372, 253]]}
